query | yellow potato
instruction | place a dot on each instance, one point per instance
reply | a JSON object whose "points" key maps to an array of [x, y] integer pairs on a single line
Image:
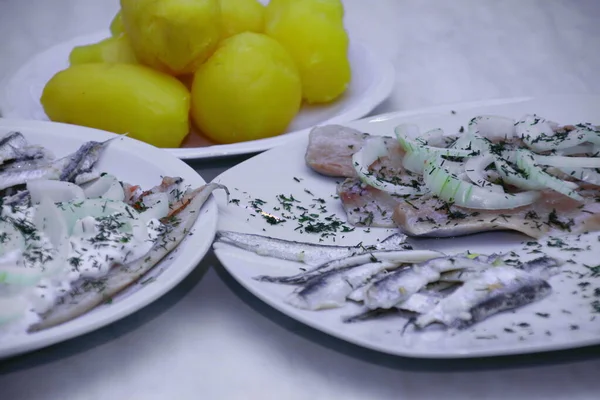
{"points": [[116, 25], [313, 32], [120, 98], [172, 36], [115, 49], [249, 89], [241, 16]]}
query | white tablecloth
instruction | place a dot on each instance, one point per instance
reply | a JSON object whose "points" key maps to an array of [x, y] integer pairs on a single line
{"points": [[210, 339]]}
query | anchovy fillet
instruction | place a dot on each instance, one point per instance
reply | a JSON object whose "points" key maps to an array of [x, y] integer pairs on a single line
{"points": [[406, 256], [307, 253]]}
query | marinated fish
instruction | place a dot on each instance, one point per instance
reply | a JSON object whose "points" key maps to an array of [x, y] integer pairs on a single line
{"points": [[552, 214], [330, 289], [76, 167], [367, 206], [14, 147], [330, 149], [394, 256], [399, 285], [495, 290], [87, 294], [307, 253]]}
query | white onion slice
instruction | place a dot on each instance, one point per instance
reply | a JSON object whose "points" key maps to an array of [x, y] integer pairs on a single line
{"points": [[106, 187], [475, 167], [568, 162], [371, 151], [526, 161], [56, 191], [464, 194]]}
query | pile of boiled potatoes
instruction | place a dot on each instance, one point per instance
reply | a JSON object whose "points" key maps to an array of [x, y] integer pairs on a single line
{"points": [[236, 69]]}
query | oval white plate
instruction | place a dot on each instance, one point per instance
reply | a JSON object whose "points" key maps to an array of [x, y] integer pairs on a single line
{"points": [[282, 171], [138, 163], [372, 82]]}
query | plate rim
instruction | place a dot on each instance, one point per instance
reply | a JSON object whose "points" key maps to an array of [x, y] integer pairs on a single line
{"points": [[382, 69], [150, 293], [340, 335]]}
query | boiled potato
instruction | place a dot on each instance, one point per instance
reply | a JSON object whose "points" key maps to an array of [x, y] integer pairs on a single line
{"points": [[313, 32], [249, 89], [173, 36], [241, 16], [116, 25], [115, 49], [120, 98]]}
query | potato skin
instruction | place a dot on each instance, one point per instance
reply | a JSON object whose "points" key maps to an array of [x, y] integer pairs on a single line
{"points": [[115, 49], [313, 32], [242, 16], [249, 89], [120, 98], [174, 36], [116, 25]]}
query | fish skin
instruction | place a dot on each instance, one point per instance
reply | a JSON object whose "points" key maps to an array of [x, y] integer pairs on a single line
{"points": [[330, 149], [406, 256], [497, 289], [120, 277], [307, 253], [330, 290], [14, 148], [366, 206], [69, 168], [399, 285]]}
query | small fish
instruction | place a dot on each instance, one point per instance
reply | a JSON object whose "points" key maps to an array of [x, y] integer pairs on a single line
{"points": [[307, 253], [399, 285], [418, 303], [495, 290], [358, 294], [329, 290], [396, 256], [76, 167], [14, 147], [120, 277]]}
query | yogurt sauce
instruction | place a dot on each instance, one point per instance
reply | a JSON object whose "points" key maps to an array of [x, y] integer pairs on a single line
{"points": [[95, 245]]}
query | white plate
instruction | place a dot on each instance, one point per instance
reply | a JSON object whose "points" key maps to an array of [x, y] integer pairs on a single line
{"points": [[372, 81], [138, 163], [282, 171]]}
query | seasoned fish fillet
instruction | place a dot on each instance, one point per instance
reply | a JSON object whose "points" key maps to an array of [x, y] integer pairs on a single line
{"points": [[552, 214], [330, 149]]}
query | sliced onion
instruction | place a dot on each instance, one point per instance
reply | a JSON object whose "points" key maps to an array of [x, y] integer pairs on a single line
{"points": [[492, 127], [16, 276], [56, 191], [464, 194], [371, 151], [586, 175], [106, 187], [49, 220], [539, 134], [417, 151], [568, 162], [526, 161], [515, 178], [475, 167]]}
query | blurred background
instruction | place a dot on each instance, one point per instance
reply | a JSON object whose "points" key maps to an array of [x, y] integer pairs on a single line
{"points": [[443, 51]]}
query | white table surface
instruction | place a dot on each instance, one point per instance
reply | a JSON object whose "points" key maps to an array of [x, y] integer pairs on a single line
{"points": [[210, 339]]}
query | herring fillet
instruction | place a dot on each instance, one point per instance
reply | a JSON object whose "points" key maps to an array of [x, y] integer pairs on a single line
{"points": [[331, 289], [495, 290], [120, 277], [399, 256], [307, 253]]}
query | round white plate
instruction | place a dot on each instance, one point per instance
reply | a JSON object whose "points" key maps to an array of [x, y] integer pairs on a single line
{"points": [[563, 320], [372, 81], [138, 163]]}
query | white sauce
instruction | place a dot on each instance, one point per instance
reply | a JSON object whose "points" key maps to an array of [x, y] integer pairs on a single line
{"points": [[95, 246]]}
